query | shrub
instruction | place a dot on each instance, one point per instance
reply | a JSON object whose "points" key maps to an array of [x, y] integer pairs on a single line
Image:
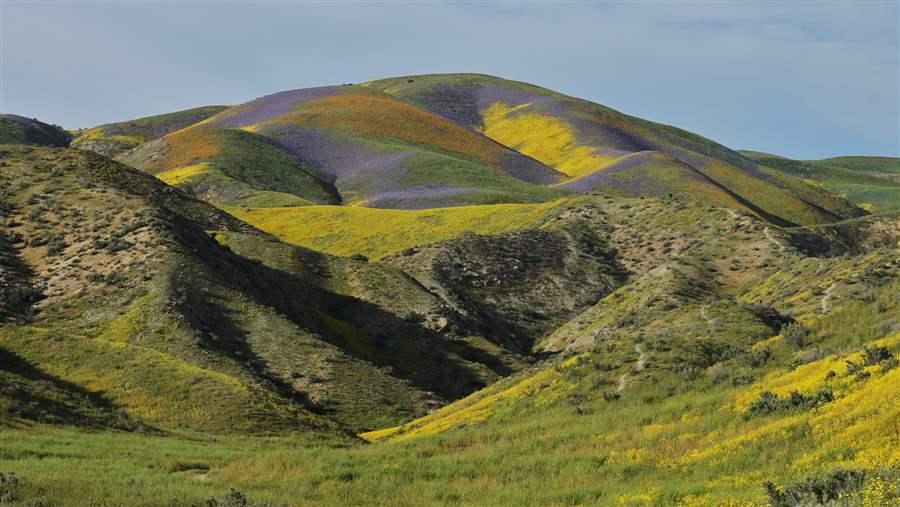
{"points": [[56, 245], [876, 355], [233, 498], [717, 374], [10, 488], [769, 402], [794, 334], [816, 490]]}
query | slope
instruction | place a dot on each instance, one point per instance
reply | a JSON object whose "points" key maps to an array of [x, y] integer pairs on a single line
{"points": [[114, 139], [371, 149], [870, 182], [207, 323], [579, 138], [674, 387], [15, 129]]}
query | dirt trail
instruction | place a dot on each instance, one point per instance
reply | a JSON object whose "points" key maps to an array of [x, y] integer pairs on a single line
{"points": [[641, 363], [826, 298], [772, 239], [704, 315]]}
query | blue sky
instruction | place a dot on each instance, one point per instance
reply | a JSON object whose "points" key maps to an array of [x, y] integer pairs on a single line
{"points": [[803, 79]]}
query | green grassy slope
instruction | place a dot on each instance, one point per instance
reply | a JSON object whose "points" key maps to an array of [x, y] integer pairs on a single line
{"points": [[864, 164], [870, 182], [207, 323], [348, 230], [231, 167], [675, 389]]}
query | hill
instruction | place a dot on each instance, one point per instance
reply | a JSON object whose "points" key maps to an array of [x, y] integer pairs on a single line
{"points": [[222, 327], [869, 182], [116, 138], [451, 289], [422, 142], [15, 129], [585, 140], [657, 351], [365, 147]]}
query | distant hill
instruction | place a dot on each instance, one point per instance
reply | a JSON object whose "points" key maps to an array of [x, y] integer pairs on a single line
{"points": [[598, 147], [368, 148], [15, 129], [115, 138], [421, 142], [869, 182], [865, 164]]}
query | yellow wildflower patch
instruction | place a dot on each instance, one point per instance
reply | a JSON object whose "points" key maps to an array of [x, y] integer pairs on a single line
{"points": [[543, 137]]}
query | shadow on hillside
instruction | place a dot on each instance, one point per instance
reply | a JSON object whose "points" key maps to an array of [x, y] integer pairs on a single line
{"points": [[17, 293], [41, 397], [220, 333], [427, 359]]}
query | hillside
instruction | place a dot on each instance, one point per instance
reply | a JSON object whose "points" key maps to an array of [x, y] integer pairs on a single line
{"points": [[586, 140], [15, 129], [232, 327], [116, 138], [681, 354], [870, 182], [423, 142], [365, 147]]}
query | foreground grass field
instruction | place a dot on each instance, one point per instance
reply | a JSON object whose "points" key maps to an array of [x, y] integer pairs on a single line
{"points": [[560, 433]]}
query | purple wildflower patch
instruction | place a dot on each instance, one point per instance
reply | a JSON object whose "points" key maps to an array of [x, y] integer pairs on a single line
{"points": [[270, 106]]}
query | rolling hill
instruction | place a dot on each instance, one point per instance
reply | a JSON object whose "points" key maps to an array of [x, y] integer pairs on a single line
{"points": [[15, 129], [422, 142], [215, 317], [441, 290], [870, 182], [116, 138]]}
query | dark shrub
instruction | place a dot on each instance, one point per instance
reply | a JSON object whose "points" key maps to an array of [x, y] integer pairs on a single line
{"points": [[876, 355], [794, 334], [769, 402], [56, 245], [816, 490], [233, 498], [10, 488]]}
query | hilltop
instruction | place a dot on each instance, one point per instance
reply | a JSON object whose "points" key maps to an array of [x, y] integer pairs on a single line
{"points": [[15, 129], [116, 138], [422, 142]]}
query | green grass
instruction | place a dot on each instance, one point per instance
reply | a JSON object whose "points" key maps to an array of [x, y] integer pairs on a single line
{"points": [[863, 183], [864, 164]]}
